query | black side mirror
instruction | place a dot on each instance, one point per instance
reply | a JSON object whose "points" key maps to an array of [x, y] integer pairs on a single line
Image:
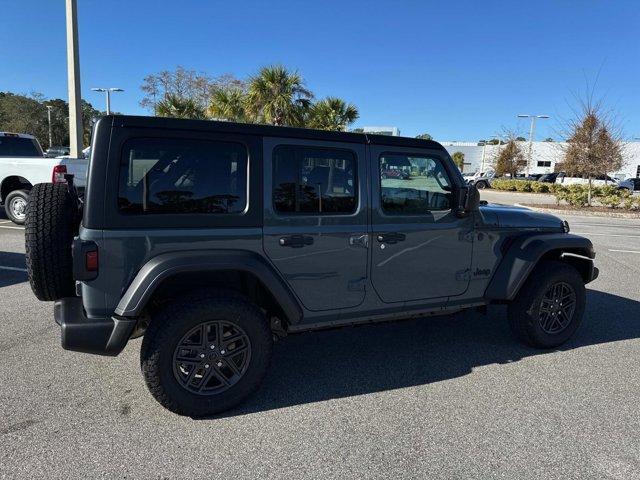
{"points": [[467, 200]]}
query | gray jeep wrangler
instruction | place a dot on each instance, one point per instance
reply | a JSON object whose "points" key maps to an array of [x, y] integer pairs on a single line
{"points": [[212, 239]]}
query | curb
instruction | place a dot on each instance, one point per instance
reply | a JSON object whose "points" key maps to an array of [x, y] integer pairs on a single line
{"points": [[581, 213]]}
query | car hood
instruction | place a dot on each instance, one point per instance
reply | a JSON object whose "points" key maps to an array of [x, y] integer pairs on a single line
{"points": [[508, 216]]}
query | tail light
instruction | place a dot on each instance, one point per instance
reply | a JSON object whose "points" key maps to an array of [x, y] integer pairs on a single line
{"points": [[91, 261], [58, 174], [86, 262]]}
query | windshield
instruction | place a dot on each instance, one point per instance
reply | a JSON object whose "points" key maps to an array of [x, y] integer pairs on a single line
{"points": [[19, 147]]}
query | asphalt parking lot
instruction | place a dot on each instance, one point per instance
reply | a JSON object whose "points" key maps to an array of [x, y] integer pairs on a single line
{"points": [[450, 397]]}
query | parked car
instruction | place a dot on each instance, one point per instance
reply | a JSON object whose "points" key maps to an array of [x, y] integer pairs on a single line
{"points": [[534, 177], [548, 177], [210, 239], [599, 181], [53, 152], [23, 165], [635, 182], [482, 180]]}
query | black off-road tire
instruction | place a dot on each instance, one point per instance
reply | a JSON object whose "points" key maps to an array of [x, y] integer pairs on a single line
{"points": [[169, 325], [21, 196], [51, 223], [524, 312]]}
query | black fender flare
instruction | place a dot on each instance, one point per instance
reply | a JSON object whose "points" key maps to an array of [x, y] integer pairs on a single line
{"points": [[525, 252], [163, 266]]}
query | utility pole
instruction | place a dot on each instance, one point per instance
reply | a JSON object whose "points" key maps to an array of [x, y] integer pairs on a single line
{"points": [[49, 107], [73, 79], [531, 132], [107, 91]]}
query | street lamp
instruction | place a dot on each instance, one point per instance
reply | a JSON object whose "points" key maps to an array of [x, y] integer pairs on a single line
{"points": [[49, 108], [108, 91], [531, 132]]}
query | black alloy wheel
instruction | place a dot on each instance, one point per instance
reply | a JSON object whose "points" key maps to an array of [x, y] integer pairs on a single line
{"points": [[211, 357], [557, 307]]}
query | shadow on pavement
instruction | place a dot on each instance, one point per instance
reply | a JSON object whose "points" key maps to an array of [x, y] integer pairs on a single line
{"points": [[319, 366], [12, 260]]}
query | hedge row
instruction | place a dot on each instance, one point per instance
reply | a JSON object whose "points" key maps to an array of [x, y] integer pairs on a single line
{"points": [[523, 186], [575, 195]]}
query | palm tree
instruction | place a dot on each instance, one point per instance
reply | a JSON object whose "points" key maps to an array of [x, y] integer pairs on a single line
{"points": [[229, 104], [178, 107], [332, 113], [278, 96]]}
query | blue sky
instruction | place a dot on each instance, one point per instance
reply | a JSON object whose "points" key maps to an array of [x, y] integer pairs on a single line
{"points": [[459, 70]]}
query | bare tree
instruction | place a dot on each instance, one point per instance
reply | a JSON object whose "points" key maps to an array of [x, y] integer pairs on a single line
{"points": [[509, 158], [594, 145], [184, 84]]}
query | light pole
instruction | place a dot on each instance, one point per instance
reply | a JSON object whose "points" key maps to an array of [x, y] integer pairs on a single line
{"points": [[73, 80], [107, 91], [531, 132], [49, 107]]}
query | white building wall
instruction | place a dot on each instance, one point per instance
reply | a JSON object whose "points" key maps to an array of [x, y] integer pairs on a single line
{"points": [[541, 152]]}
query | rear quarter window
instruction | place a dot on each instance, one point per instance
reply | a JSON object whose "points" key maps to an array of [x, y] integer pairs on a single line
{"points": [[182, 176]]}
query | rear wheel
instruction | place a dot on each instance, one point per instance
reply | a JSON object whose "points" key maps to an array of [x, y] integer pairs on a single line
{"points": [[15, 206], [481, 185], [203, 355], [549, 307]]}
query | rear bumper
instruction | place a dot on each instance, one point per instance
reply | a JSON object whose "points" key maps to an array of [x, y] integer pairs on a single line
{"points": [[100, 336]]}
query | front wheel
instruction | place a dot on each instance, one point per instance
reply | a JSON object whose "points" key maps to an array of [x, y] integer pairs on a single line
{"points": [[481, 185], [549, 307], [203, 355]]}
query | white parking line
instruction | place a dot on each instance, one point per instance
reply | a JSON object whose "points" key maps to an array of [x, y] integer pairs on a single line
{"points": [[605, 225], [12, 228], [603, 234], [13, 269], [6, 221], [624, 251]]}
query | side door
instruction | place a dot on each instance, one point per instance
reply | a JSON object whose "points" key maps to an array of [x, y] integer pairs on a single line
{"points": [[420, 249], [315, 219]]}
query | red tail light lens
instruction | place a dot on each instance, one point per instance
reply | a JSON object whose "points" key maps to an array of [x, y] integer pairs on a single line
{"points": [[91, 261], [58, 174]]}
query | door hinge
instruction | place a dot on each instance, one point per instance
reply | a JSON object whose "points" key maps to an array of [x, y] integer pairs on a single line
{"points": [[463, 275], [357, 285]]}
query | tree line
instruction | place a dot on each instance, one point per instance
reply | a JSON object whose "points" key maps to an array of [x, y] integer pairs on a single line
{"points": [[274, 95], [28, 114]]}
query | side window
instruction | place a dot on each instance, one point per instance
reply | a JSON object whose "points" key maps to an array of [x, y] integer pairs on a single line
{"points": [[411, 185], [182, 176], [314, 180]]}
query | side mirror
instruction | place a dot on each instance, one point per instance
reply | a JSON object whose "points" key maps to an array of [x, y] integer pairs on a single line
{"points": [[467, 200]]}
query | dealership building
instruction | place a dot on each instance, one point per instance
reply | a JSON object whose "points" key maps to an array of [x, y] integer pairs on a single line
{"points": [[544, 156]]}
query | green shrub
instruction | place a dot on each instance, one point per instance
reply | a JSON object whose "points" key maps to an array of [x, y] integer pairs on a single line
{"points": [[574, 195], [523, 186], [611, 201], [541, 187], [631, 203]]}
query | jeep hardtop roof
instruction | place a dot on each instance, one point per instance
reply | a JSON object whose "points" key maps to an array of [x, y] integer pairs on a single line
{"points": [[267, 130]]}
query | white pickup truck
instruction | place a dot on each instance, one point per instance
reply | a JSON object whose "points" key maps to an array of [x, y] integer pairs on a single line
{"points": [[22, 165]]}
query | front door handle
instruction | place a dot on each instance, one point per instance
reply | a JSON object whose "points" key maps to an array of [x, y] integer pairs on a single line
{"points": [[359, 240], [391, 237], [296, 241]]}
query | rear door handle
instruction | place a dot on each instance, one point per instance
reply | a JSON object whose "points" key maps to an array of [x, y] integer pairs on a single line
{"points": [[296, 241], [391, 237]]}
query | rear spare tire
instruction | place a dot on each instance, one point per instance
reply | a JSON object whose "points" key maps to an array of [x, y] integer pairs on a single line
{"points": [[51, 223]]}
